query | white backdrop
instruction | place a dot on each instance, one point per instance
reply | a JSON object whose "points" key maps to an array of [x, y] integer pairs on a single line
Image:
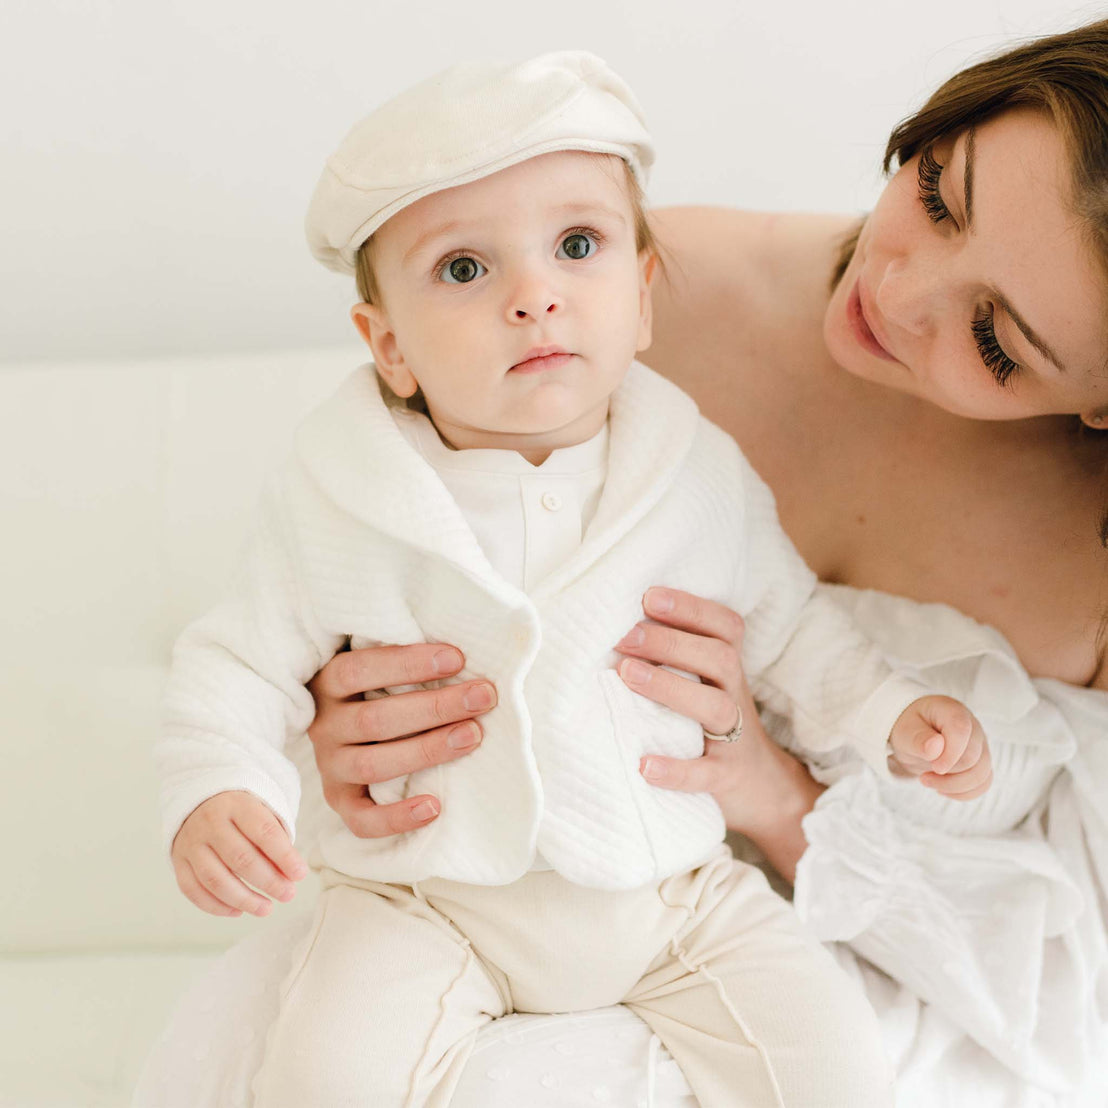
{"points": [[156, 158]]}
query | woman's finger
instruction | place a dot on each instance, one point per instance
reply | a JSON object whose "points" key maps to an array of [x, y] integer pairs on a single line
{"points": [[369, 820], [391, 717], [716, 710], [711, 659], [371, 763], [213, 875], [710, 773], [692, 613], [356, 672]]}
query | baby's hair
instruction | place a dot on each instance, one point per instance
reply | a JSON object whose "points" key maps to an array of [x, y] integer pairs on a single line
{"points": [[645, 240]]}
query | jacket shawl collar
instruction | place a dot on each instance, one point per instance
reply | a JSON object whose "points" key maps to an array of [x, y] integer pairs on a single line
{"points": [[358, 458]]}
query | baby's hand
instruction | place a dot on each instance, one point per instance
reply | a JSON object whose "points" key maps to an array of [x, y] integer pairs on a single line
{"points": [[939, 740], [229, 843]]}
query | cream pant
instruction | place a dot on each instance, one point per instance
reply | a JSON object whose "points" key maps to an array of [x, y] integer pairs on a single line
{"points": [[388, 993]]}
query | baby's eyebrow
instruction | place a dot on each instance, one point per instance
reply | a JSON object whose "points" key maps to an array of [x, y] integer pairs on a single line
{"points": [[589, 207], [428, 236]]}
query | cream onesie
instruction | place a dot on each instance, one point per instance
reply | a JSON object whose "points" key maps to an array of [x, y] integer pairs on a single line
{"points": [[555, 877]]}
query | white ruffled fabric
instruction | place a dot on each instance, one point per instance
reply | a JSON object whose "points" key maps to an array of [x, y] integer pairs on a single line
{"points": [[978, 929], [992, 912]]}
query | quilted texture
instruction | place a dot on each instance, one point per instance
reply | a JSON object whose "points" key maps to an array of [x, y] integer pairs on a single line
{"points": [[358, 538]]}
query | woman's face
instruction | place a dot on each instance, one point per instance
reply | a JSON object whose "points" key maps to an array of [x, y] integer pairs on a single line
{"points": [[974, 286]]}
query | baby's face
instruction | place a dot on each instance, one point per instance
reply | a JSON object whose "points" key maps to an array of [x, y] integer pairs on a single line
{"points": [[516, 303]]}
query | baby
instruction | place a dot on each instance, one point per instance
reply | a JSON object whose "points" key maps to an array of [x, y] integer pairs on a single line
{"points": [[506, 477]]}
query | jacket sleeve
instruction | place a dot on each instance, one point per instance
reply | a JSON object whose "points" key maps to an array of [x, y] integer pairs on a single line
{"points": [[803, 656], [236, 694], [1003, 931]]}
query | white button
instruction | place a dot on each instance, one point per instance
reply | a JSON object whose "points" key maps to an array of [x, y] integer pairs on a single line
{"points": [[551, 501]]}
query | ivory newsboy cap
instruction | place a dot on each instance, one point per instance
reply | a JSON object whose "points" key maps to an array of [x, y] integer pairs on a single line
{"points": [[464, 124]]}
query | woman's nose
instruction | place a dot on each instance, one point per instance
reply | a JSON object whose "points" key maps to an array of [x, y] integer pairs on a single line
{"points": [[909, 294]]}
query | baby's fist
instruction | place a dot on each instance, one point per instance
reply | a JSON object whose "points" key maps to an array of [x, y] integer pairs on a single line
{"points": [[939, 740]]}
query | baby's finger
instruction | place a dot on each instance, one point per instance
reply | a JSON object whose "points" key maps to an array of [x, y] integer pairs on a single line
{"points": [[960, 786], [241, 856], [191, 887], [976, 752], [714, 709], [917, 749], [265, 831], [213, 875], [956, 723]]}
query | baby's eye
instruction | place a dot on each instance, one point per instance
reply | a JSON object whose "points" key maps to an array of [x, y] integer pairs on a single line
{"points": [[460, 271], [577, 246]]}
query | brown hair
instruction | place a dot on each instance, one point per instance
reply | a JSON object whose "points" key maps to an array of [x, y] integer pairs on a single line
{"points": [[645, 240], [1065, 75]]}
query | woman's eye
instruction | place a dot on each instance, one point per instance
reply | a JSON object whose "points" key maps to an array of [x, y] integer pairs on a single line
{"points": [[996, 361], [460, 271], [929, 174], [577, 246]]}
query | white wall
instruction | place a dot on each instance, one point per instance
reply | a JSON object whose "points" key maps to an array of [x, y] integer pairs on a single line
{"points": [[156, 158]]}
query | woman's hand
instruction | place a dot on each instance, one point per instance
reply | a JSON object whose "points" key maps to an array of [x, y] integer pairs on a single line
{"points": [[763, 791], [361, 742]]}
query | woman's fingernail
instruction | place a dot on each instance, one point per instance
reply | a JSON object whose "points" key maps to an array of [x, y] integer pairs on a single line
{"points": [[653, 770], [658, 601], [463, 736], [634, 637], [635, 673], [446, 661], [478, 698], [425, 810]]}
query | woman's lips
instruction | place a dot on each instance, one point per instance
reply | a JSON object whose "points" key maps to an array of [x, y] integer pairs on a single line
{"points": [[537, 365], [859, 325]]}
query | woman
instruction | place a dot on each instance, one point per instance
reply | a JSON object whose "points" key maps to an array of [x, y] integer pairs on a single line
{"points": [[930, 431]]}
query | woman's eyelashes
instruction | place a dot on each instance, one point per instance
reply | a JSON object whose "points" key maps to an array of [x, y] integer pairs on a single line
{"points": [[929, 173], [575, 245], [996, 361]]}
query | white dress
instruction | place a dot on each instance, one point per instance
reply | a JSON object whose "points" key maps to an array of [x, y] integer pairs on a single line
{"points": [[978, 931]]}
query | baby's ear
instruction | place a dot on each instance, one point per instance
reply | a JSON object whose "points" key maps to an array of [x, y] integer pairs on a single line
{"points": [[373, 325]]}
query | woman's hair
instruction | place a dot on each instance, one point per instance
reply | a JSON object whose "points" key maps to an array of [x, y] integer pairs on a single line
{"points": [[644, 240], [1065, 75]]}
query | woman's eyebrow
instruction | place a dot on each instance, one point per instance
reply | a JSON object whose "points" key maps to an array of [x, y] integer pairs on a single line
{"points": [[971, 150], [1002, 301], [1025, 328]]}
